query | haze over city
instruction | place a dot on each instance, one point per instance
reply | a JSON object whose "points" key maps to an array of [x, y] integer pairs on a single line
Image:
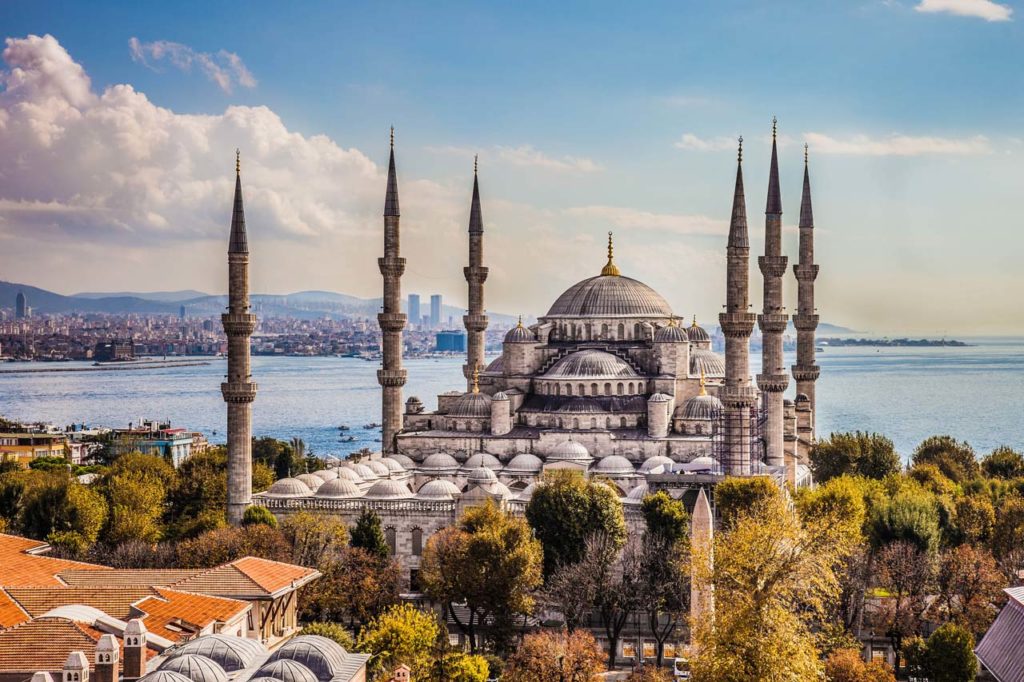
{"points": [[118, 125]]}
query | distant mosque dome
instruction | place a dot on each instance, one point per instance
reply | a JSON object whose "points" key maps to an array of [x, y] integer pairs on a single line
{"points": [[438, 489], [708, 362], [338, 487], [698, 334], [481, 476], [638, 493], [704, 407], [288, 487], [393, 465], [591, 364], [482, 459], [366, 473], [652, 463], [569, 451], [404, 460], [349, 474], [472, 404], [312, 482], [379, 467], [520, 334], [326, 474], [230, 652], [659, 398], [324, 657], [439, 462]]}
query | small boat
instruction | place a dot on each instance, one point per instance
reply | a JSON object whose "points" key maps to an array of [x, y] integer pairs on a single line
{"points": [[347, 439], [371, 425], [820, 349], [343, 428]]}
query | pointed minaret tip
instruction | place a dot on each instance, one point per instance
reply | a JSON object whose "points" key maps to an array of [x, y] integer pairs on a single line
{"points": [[238, 241], [806, 213], [238, 161], [738, 223], [391, 195], [774, 205], [476, 216]]}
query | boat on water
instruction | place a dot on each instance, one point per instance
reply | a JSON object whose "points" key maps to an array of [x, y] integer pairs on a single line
{"points": [[371, 425], [342, 427]]}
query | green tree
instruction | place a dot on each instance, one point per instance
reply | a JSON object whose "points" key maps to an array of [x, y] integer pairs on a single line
{"points": [[1003, 462], [1008, 531], [909, 516], [49, 464], [63, 512], [332, 631], [973, 519], [135, 487], [456, 666], [490, 563], [367, 534], [566, 509], [735, 497], [665, 517], [859, 454], [400, 635], [313, 536], [906, 573], [950, 656], [955, 458], [259, 515], [355, 587]]}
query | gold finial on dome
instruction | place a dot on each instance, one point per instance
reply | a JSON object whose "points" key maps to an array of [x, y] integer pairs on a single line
{"points": [[520, 324], [703, 387], [694, 325], [610, 269], [476, 379]]}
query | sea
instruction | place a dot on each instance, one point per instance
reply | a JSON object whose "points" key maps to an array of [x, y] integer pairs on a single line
{"points": [[972, 393]]}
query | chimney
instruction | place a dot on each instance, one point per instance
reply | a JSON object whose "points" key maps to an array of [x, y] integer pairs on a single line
{"points": [[107, 659], [76, 668], [134, 650]]}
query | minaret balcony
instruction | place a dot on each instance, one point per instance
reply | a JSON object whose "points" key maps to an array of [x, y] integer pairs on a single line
{"points": [[238, 324], [391, 322], [773, 383], [736, 325], [772, 266], [475, 275], [772, 323], [737, 396], [806, 372], [805, 323], [391, 267], [805, 272], [474, 322], [391, 378], [238, 392]]}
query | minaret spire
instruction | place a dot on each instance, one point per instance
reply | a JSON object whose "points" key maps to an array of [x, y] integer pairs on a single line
{"points": [[238, 391], [805, 371], [737, 323], [391, 376], [773, 379], [476, 274]]}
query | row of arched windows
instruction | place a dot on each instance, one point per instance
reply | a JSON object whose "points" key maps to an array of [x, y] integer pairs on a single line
{"points": [[391, 538], [586, 331], [593, 389], [553, 422]]}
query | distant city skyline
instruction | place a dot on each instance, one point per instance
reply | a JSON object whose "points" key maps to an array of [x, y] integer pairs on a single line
{"points": [[118, 126]]}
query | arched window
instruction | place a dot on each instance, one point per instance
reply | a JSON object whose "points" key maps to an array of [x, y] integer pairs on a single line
{"points": [[590, 331], [560, 422], [607, 388], [593, 422], [618, 388], [583, 389], [417, 541], [390, 536], [604, 330], [558, 389], [568, 389], [622, 423], [593, 389], [622, 331], [575, 423], [631, 388]]}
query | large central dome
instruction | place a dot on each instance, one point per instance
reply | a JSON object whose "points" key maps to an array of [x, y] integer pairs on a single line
{"points": [[610, 296]]}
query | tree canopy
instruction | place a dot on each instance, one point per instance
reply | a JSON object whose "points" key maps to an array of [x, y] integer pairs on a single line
{"points": [[859, 454], [956, 459]]}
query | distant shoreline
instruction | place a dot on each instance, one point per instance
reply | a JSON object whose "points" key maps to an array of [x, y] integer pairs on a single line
{"points": [[119, 367], [893, 343]]}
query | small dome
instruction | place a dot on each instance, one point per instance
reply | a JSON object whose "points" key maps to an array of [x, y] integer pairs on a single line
{"points": [[164, 676], [524, 463], [569, 450], [703, 407], [196, 668], [614, 464], [527, 492], [659, 398], [312, 482], [438, 489], [697, 334], [439, 461], [326, 474], [472, 405], [404, 460], [702, 463], [520, 334], [482, 459], [287, 670], [481, 476], [338, 487], [651, 464], [388, 489], [349, 474], [497, 365], [324, 657], [231, 653], [501, 489], [288, 487], [638, 493], [500, 395], [672, 333], [393, 465], [595, 364], [707, 362], [379, 467], [366, 473]]}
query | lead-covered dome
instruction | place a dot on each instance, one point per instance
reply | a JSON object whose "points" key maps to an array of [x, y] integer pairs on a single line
{"points": [[707, 362], [288, 487], [704, 407], [324, 657], [287, 670], [231, 653], [569, 451], [388, 489], [196, 668], [610, 296], [525, 463], [338, 487], [698, 334], [520, 334], [438, 489], [614, 464], [591, 364], [672, 333], [472, 404], [482, 459]]}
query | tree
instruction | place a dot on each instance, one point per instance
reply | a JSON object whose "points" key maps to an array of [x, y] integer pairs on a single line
{"points": [[566, 509], [846, 665], [402, 634], [859, 454], [950, 655], [1008, 531], [332, 631], [1003, 462], [735, 497], [664, 587], [136, 488], [955, 458], [970, 584], [223, 545], [973, 520], [906, 573], [259, 515], [665, 517], [490, 563], [63, 512], [909, 516], [313, 537], [551, 656], [456, 666], [355, 587], [367, 534]]}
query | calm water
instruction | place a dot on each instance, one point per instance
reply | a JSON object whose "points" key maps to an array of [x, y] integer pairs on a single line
{"points": [[908, 394]]}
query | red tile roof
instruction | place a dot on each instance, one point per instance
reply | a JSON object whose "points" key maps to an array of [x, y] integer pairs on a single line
{"points": [[274, 575], [44, 644], [10, 613], [19, 567], [194, 611], [113, 601]]}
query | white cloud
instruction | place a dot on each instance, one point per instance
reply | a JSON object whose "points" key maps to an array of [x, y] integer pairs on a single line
{"points": [[691, 142], [981, 9], [223, 68], [898, 145], [632, 219], [526, 155]]}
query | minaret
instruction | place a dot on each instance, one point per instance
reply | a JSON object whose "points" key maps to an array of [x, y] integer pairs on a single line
{"points": [[737, 323], [475, 320], [239, 391], [391, 376], [806, 321], [773, 379]]}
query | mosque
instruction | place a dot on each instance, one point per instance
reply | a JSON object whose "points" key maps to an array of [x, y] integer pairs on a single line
{"points": [[610, 382]]}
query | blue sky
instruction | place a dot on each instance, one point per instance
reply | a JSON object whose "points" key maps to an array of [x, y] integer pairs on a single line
{"points": [[587, 117]]}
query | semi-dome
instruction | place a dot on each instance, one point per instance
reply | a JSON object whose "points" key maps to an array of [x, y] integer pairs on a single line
{"points": [[698, 334], [569, 450], [610, 296], [324, 657], [230, 652], [472, 404], [704, 407], [614, 464], [312, 481], [707, 362], [439, 461], [482, 459], [338, 487], [659, 398], [652, 463], [481, 476], [196, 668], [672, 333], [496, 366], [500, 395], [387, 489], [702, 463], [288, 487], [520, 334], [438, 489], [287, 670], [379, 467], [524, 463], [595, 364]]}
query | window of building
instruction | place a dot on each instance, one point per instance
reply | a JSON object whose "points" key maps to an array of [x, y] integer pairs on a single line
{"points": [[417, 541], [390, 536], [618, 388], [608, 388], [568, 389]]}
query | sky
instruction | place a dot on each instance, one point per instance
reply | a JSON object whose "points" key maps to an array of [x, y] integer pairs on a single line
{"points": [[119, 122]]}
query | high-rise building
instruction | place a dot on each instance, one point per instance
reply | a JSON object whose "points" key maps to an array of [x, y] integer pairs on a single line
{"points": [[181, 312], [414, 308], [435, 311], [451, 341], [20, 306]]}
